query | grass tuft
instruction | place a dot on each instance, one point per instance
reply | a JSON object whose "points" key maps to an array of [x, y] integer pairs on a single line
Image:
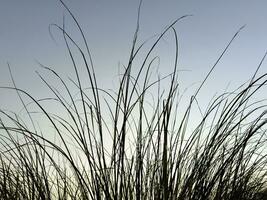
{"points": [[126, 144]]}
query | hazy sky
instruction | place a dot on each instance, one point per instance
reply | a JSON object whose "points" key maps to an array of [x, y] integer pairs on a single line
{"points": [[109, 26]]}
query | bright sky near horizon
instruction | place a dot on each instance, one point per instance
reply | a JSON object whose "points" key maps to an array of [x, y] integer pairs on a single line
{"points": [[109, 27]]}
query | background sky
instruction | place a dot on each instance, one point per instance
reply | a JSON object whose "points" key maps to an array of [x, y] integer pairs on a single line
{"points": [[109, 27]]}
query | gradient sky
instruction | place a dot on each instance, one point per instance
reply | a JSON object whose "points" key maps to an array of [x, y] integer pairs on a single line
{"points": [[109, 26]]}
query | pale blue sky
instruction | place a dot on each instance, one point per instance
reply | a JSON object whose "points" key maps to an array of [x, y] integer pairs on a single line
{"points": [[109, 26]]}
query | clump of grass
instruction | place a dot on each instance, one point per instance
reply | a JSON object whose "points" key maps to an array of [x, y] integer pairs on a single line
{"points": [[147, 151]]}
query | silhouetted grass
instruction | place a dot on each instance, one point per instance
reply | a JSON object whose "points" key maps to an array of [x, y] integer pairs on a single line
{"points": [[127, 145]]}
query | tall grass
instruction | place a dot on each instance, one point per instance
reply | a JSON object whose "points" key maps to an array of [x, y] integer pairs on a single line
{"points": [[127, 145]]}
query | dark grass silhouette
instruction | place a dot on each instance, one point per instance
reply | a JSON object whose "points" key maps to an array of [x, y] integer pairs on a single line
{"points": [[152, 154]]}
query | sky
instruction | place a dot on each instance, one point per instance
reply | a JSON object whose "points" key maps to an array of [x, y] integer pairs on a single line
{"points": [[109, 26]]}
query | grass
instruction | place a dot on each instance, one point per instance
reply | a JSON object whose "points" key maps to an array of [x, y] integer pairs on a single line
{"points": [[119, 145]]}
